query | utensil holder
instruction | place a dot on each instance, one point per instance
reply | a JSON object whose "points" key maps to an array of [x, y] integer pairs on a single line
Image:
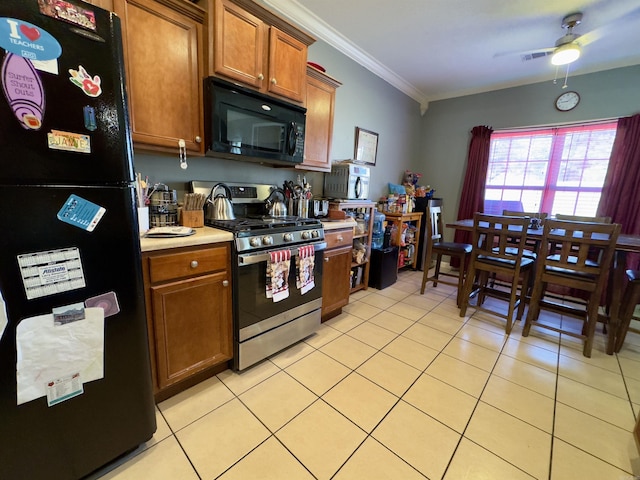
{"points": [[192, 218], [143, 219]]}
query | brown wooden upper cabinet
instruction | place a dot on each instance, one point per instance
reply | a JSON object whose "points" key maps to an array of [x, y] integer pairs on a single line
{"points": [[320, 103], [106, 4], [253, 46], [164, 56]]}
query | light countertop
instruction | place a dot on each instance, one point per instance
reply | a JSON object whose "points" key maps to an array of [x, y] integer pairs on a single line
{"points": [[335, 224], [203, 236], [208, 235]]}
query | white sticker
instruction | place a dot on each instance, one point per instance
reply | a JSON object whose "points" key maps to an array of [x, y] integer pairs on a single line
{"points": [[64, 388], [51, 272], [49, 66]]}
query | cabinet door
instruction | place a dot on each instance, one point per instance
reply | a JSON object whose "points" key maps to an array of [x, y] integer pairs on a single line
{"points": [[319, 125], [192, 326], [163, 65], [287, 65], [239, 44], [335, 283], [106, 4]]}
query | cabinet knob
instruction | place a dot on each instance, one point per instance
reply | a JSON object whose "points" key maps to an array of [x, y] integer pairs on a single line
{"points": [[198, 139], [261, 77], [273, 80], [194, 264], [225, 283], [340, 238], [326, 259]]}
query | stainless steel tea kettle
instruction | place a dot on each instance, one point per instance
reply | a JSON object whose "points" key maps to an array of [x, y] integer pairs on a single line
{"points": [[276, 208], [219, 207]]}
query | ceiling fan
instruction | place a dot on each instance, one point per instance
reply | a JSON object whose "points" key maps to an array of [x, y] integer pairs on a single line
{"points": [[567, 48]]}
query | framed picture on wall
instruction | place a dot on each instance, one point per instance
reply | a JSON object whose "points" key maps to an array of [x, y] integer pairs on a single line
{"points": [[366, 146]]}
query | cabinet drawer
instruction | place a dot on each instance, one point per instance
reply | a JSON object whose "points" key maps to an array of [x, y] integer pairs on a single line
{"points": [[338, 238], [187, 264]]}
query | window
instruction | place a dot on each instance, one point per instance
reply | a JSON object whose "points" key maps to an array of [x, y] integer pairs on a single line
{"points": [[554, 170]]}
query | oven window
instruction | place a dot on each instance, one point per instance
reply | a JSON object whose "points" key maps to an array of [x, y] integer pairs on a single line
{"points": [[254, 306]]}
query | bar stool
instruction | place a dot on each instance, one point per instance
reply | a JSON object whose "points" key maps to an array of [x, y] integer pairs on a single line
{"points": [[575, 255], [494, 239], [630, 299], [435, 245]]}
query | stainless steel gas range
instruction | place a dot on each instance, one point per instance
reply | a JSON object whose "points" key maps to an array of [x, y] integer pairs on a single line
{"points": [[265, 320]]}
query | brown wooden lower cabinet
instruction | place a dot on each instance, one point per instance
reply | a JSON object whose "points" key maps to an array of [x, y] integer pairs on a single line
{"points": [[188, 296], [335, 273]]}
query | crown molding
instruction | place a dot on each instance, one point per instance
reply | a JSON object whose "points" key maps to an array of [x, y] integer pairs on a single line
{"points": [[304, 18]]}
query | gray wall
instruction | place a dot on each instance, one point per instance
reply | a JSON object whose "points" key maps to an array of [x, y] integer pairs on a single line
{"points": [[364, 100], [447, 124]]}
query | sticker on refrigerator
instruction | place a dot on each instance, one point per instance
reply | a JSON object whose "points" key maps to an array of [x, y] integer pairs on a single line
{"points": [[28, 40], [81, 213], [68, 313], [70, 142], [64, 388], [4, 320], [107, 301], [50, 272], [88, 84], [89, 115], [49, 355], [23, 90], [69, 12]]}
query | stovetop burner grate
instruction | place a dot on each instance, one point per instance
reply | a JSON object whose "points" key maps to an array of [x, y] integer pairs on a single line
{"points": [[252, 223]]}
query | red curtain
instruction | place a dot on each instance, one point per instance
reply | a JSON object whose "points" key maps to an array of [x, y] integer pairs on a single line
{"points": [[472, 197], [620, 198]]}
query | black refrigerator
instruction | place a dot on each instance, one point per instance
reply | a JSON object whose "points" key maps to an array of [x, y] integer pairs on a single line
{"points": [[75, 381]]}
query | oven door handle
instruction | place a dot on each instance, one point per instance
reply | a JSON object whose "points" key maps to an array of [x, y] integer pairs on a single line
{"points": [[253, 258]]}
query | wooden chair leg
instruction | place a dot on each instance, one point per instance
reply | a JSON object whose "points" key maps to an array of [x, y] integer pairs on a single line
{"points": [[534, 308], [523, 294], [437, 271], [468, 286], [461, 259], [630, 299], [592, 321]]}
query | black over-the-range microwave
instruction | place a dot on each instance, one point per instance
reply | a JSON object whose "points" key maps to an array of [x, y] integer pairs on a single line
{"points": [[242, 124]]}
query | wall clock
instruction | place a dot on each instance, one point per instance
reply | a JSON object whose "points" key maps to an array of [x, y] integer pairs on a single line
{"points": [[567, 101]]}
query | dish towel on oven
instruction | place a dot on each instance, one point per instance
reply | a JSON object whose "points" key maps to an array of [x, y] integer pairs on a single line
{"points": [[278, 274], [305, 263]]}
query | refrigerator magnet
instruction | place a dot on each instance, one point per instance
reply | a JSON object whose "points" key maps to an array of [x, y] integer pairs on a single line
{"points": [[107, 301], [23, 90], [68, 313], [68, 12], [89, 115], [28, 40], [88, 84], [70, 142], [81, 213], [50, 272]]}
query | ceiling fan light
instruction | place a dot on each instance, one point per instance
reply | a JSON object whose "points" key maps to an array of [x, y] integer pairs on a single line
{"points": [[565, 54]]}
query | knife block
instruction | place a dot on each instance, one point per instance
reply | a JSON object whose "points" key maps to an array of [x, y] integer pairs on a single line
{"points": [[192, 218]]}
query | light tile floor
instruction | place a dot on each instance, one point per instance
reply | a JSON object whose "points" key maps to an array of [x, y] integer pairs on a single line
{"points": [[400, 387]]}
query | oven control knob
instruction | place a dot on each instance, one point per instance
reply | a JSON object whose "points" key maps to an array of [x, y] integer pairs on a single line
{"points": [[267, 240], [288, 237], [306, 235], [315, 234], [254, 241]]}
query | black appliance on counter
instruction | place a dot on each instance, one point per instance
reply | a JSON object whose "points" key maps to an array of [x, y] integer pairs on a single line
{"points": [[263, 326], [75, 377], [421, 206], [242, 124], [383, 271]]}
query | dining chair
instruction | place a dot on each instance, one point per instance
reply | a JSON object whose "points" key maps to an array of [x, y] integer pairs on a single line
{"points": [[436, 246], [579, 218], [575, 255], [494, 238], [630, 299]]}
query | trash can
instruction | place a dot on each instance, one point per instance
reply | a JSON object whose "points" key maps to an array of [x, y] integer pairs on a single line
{"points": [[383, 271]]}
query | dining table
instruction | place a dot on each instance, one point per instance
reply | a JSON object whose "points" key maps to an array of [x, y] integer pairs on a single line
{"points": [[624, 245]]}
